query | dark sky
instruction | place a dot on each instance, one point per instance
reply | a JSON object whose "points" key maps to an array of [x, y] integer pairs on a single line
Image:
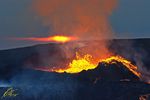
{"points": [[129, 20], [132, 18]]}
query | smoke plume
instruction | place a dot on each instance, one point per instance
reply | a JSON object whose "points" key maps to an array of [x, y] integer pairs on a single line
{"points": [[85, 19], [82, 18]]}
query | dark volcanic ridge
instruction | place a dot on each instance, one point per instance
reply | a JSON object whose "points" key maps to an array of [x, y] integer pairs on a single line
{"points": [[111, 72], [107, 81]]}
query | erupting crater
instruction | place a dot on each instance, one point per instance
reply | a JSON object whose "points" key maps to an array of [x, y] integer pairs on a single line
{"points": [[87, 62]]}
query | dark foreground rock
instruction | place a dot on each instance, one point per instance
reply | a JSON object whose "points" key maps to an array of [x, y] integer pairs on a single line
{"points": [[111, 82]]}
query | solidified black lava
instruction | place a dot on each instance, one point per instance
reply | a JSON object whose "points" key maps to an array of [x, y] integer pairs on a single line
{"points": [[116, 71], [109, 72]]}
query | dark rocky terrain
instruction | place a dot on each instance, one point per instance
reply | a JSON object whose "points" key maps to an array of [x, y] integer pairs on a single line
{"points": [[106, 82]]}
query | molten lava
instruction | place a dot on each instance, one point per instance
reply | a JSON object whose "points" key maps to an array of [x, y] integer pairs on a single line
{"points": [[124, 61], [88, 63], [79, 64], [57, 38]]}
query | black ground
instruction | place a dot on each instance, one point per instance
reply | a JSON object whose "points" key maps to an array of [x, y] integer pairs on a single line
{"points": [[106, 82]]}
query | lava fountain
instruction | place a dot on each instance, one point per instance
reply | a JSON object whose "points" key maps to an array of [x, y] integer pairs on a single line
{"points": [[88, 63]]}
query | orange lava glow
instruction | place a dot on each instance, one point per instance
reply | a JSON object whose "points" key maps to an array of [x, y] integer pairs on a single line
{"points": [[57, 38], [88, 63], [79, 64]]}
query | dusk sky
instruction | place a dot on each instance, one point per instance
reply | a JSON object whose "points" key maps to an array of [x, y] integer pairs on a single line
{"points": [[129, 20]]}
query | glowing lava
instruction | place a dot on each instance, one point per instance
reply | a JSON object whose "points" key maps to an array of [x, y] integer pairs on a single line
{"points": [[79, 64], [88, 63], [124, 61], [57, 38]]}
